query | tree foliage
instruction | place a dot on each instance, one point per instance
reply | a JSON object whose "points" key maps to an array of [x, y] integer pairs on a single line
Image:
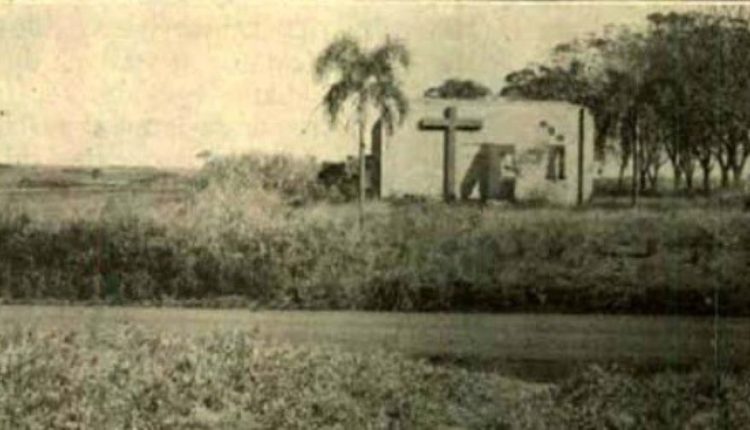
{"points": [[677, 91], [458, 89]]}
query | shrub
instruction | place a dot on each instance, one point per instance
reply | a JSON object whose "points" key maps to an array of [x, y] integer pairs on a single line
{"points": [[294, 179]]}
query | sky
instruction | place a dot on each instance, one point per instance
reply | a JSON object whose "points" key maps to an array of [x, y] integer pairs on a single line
{"points": [[156, 82]]}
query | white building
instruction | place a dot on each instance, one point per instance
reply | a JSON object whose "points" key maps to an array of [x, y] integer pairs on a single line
{"points": [[501, 149]]}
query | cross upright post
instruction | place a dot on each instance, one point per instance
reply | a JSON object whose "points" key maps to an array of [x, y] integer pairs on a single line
{"points": [[449, 124]]}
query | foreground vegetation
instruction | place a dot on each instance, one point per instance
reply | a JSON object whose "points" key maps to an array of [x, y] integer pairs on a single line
{"points": [[123, 377]]}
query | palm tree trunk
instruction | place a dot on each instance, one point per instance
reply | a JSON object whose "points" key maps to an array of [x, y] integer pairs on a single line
{"points": [[362, 173]]}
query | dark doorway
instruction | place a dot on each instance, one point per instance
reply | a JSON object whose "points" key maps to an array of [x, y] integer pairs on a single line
{"points": [[492, 169]]}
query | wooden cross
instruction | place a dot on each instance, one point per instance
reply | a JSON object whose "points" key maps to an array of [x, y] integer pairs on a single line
{"points": [[449, 124]]}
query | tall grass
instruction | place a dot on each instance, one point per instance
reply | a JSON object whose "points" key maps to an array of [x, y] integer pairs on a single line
{"points": [[239, 235], [420, 258]]}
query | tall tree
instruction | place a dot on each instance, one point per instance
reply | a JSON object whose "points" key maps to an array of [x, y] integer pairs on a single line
{"points": [[701, 59], [364, 81], [602, 73], [677, 91]]}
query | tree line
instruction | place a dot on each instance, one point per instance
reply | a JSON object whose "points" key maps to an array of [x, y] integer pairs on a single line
{"points": [[676, 92]]}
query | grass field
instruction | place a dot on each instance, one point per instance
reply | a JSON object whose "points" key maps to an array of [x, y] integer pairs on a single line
{"points": [[50, 177], [540, 347], [56, 194], [70, 367]]}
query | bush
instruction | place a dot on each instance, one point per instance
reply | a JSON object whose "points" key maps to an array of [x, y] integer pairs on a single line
{"points": [[294, 179]]}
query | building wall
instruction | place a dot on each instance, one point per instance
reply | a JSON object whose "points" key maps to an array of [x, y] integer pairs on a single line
{"points": [[412, 159]]}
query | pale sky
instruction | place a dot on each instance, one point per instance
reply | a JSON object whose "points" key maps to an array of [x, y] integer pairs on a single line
{"points": [[137, 82]]}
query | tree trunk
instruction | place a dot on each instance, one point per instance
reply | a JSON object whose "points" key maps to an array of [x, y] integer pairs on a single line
{"points": [[677, 180], [706, 179], [602, 125], [737, 175], [636, 158], [724, 176], [688, 170], [362, 175], [689, 179], [655, 178], [621, 177], [643, 176]]}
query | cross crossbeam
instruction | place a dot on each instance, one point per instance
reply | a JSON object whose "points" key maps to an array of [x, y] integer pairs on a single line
{"points": [[449, 125]]}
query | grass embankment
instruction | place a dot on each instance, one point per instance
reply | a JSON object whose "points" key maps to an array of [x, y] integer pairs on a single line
{"points": [[121, 377]]}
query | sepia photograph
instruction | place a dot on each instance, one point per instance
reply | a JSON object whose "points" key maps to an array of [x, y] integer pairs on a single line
{"points": [[374, 214]]}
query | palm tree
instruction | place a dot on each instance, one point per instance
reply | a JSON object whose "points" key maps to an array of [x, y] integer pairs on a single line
{"points": [[365, 80]]}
